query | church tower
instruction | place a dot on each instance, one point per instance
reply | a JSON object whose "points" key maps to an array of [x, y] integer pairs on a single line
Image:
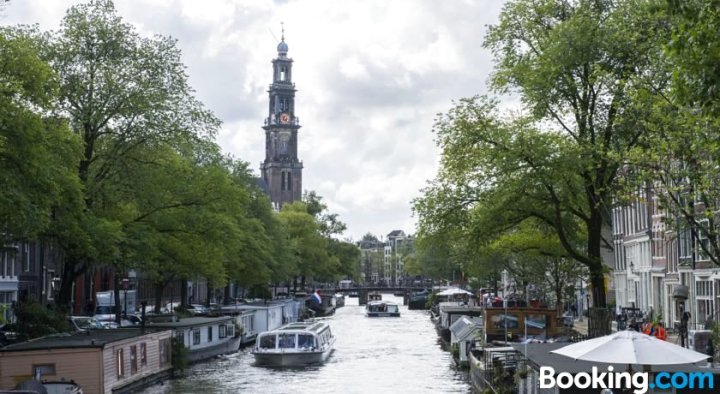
{"points": [[282, 171]]}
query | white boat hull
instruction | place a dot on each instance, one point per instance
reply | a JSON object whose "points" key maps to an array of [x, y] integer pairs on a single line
{"points": [[383, 314], [290, 359]]}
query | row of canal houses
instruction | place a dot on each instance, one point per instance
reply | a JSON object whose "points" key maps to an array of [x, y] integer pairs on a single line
{"points": [[126, 359]]}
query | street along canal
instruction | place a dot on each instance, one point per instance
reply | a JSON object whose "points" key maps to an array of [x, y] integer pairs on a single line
{"points": [[372, 355]]}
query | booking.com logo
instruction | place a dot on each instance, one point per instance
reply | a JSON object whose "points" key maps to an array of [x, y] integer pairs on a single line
{"points": [[640, 381]]}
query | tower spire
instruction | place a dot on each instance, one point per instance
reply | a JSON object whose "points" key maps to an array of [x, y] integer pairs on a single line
{"points": [[282, 29]]}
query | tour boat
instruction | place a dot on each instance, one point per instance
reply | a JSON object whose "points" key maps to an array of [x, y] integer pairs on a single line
{"points": [[294, 344], [382, 309]]}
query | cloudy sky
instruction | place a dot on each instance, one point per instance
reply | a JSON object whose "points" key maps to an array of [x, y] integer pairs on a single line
{"points": [[371, 76]]}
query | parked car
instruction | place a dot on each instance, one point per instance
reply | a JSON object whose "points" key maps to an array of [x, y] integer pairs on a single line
{"points": [[197, 309], [568, 320], [85, 323]]}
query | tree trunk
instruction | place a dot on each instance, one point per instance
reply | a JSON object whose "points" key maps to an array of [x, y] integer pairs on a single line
{"points": [[226, 295], [69, 273], [184, 302], [209, 295], [597, 277], [559, 298], [116, 295], [159, 287]]}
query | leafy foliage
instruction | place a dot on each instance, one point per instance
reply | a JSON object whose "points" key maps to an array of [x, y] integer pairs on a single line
{"points": [[33, 320]]}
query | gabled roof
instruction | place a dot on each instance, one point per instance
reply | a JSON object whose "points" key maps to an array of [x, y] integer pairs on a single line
{"points": [[467, 327], [396, 233], [89, 339]]}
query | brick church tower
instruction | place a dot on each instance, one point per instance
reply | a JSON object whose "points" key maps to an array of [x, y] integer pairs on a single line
{"points": [[282, 171]]}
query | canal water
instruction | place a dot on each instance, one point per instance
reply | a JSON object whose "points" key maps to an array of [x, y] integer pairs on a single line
{"points": [[372, 355]]}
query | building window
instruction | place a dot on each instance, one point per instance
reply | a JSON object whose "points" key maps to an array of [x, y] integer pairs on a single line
{"points": [[289, 180], [164, 351], [143, 353], [230, 330], [40, 370], [210, 334], [196, 337], [282, 180], [222, 331], [133, 359], [120, 361]]}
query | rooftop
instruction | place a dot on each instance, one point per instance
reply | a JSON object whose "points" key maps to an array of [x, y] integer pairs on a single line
{"points": [[190, 321], [89, 339]]}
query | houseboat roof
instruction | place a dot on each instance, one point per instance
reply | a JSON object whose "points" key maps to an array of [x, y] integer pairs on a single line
{"points": [[89, 339], [538, 354], [257, 305], [461, 309], [190, 322], [466, 327]]}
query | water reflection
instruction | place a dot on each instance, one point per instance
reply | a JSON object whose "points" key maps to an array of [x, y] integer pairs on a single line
{"points": [[372, 355]]}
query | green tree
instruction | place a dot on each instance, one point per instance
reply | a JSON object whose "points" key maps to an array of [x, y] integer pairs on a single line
{"points": [[679, 157], [122, 92], [309, 250], [37, 150], [578, 68]]}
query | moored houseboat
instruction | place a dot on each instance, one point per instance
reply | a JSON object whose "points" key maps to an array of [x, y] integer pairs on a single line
{"points": [[449, 313], [98, 361], [339, 300], [418, 300], [325, 307], [492, 368], [204, 337], [295, 344], [382, 309], [464, 333]]}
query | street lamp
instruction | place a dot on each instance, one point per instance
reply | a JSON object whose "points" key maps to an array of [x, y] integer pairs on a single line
{"points": [[125, 283]]}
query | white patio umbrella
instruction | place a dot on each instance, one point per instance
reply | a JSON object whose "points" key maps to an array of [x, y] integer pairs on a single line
{"points": [[630, 347], [453, 291]]}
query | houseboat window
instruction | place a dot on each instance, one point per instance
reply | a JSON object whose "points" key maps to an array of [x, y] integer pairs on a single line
{"points": [[143, 353], [210, 334], [537, 324], [249, 323], [133, 359], [502, 321], [196, 336], [43, 369], [305, 341], [267, 342], [222, 331], [164, 352], [230, 330], [120, 361], [287, 341]]}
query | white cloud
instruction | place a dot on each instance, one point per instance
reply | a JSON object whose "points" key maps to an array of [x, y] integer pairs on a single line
{"points": [[371, 76]]}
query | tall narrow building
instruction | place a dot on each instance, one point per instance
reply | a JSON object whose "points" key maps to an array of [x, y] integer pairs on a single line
{"points": [[282, 171]]}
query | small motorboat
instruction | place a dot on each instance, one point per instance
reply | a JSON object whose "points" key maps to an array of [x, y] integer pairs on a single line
{"points": [[382, 309]]}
